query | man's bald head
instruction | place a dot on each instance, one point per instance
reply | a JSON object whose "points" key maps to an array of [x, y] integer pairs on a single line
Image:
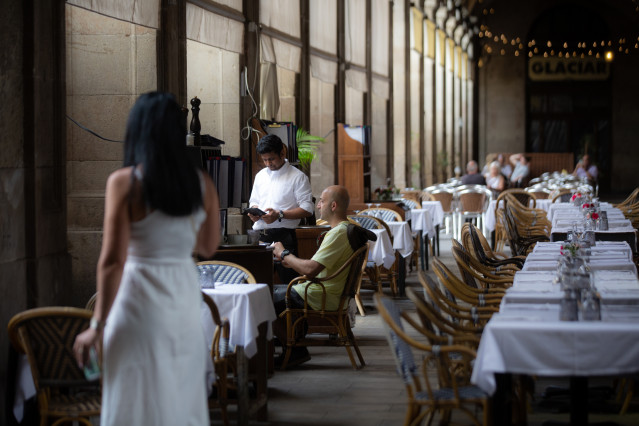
{"points": [[333, 203]]}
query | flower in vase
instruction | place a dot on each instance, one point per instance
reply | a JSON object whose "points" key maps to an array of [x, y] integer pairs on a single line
{"points": [[594, 216], [575, 196], [569, 249]]}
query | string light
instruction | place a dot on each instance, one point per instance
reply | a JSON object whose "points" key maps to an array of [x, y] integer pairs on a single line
{"points": [[547, 47]]}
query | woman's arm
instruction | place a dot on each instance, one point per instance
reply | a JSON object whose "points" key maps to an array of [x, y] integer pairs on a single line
{"points": [[208, 238], [115, 240]]}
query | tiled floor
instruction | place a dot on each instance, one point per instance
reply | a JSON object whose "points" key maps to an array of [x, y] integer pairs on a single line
{"points": [[327, 391]]}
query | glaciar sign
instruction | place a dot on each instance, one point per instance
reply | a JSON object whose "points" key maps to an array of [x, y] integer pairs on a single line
{"points": [[554, 69]]}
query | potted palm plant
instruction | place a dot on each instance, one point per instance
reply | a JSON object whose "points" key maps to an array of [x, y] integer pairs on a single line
{"points": [[307, 146]]}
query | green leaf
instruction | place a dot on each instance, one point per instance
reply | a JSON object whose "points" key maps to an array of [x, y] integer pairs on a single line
{"points": [[307, 146]]}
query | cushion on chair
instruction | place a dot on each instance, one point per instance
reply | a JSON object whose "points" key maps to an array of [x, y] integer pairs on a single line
{"points": [[225, 274], [358, 236]]}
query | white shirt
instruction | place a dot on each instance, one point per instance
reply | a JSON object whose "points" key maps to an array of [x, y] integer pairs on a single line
{"points": [[283, 189]]}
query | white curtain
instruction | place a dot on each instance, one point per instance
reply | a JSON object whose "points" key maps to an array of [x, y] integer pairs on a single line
{"points": [[269, 92], [283, 54], [355, 32], [324, 70], [146, 12], [380, 35], [281, 15], [214, 30], [356, 80], [323, 25]]}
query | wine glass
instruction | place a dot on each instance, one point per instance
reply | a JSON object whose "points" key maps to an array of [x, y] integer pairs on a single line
{"points": [[356, 211]]}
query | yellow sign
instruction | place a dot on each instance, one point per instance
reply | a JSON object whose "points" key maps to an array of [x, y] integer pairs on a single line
{"points": [[556, 69]]}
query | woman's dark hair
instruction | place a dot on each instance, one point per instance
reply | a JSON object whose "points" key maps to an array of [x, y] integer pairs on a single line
{"points": [[155, 139], [270, 143]]}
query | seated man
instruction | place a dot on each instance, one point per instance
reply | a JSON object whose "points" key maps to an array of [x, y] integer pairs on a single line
{"points": [[472, 176], [334, 251]]}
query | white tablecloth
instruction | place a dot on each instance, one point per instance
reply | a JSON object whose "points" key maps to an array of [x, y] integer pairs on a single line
{"points": [[532, 345], [402, 237], [422, 220], [436, 212], [381, 251], [526, 336], [246, 306]]}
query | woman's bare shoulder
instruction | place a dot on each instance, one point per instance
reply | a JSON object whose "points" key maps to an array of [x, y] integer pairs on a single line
{"points": [[119, 180]]}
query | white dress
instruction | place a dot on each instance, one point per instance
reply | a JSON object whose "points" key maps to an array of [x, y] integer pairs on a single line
{"points": [[154, 356]]}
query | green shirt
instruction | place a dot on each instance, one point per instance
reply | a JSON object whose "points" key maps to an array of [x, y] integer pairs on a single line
{"points": [[332, 254]]}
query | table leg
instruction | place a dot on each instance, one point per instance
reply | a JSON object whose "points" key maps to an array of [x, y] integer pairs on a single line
{"points": [[437, 238], [578, 400], [502, 400], [401, 276], [242, 387]]}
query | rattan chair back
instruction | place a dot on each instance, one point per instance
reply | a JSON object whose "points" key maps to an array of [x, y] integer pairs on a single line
{"points": [[227, 272], [46, 336]]}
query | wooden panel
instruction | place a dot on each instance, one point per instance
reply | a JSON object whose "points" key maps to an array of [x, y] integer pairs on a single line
{"points": [[351, 175], [307, 240], [346, 144], [542, 162]]}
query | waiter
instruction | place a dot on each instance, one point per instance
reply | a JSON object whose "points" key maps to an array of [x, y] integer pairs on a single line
{"points": [[284, 194]]}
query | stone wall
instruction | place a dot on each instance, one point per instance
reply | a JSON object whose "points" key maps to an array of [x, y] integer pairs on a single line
{"points": [[109, 64]]}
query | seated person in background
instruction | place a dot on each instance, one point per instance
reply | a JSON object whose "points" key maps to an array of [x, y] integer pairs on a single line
{"points": [[486, 170], [495, 180], [585, 169], [506, 170], [331, 255], [521, 171], [472, 176]]}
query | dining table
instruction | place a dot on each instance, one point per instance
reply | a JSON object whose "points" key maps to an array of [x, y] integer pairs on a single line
{"points": [[382, 252], [249, 308], [564, 215], [436, 212], [527, 336], [424, 227]]}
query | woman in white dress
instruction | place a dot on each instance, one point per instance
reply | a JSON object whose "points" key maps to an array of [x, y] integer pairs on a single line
{"points": [[159, 208], [495, 180]]}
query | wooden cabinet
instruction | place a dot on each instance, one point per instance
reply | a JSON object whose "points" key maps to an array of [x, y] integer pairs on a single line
{"points": [[354, 162]]}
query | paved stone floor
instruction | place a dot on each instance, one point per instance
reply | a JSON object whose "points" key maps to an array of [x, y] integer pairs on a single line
{"points": [[327, 391]]}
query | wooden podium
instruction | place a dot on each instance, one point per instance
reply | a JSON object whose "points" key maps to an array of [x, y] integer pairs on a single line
{"points": [[354, 168]]}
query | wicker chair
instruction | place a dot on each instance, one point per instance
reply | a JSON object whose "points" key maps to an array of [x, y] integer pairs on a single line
{"points": [[435, 327], [452, 389], [387, 215], [473, 202], [377, 275], [460, 290], [633, 198], [524, 197], [46, 336], [227, 272], [445, 196], [91, 302], [561, 196], [475, 243], [490, 279], [219, 352], [450, 317], [335, 322], [540, 192]]}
